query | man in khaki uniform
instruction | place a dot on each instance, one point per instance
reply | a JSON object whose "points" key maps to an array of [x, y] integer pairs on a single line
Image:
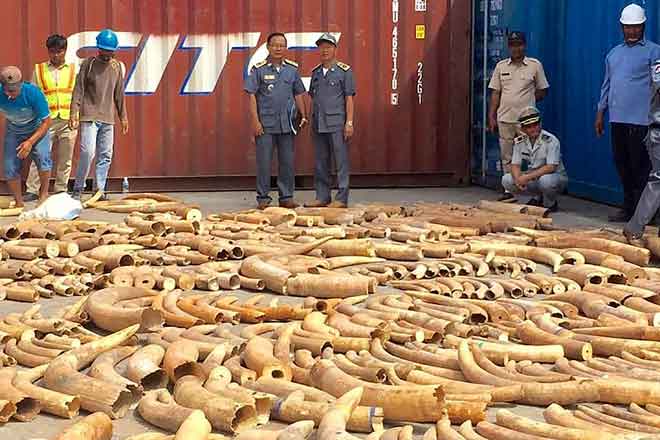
{"points": [[517, 82], [56, 79]]}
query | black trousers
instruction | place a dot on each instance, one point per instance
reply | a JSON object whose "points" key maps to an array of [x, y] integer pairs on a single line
{"points": [[632, 161]]}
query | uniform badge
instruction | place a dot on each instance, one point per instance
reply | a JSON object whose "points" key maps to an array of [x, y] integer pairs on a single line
{"points": [[655, 71], [269, 77]]}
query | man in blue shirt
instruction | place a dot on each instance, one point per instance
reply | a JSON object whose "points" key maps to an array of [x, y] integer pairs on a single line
{"points": [[26, 134], [626, 93], [275, 91]]}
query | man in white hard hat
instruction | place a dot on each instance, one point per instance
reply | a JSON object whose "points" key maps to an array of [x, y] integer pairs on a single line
{"points": [[536, 166], [626, 94]]}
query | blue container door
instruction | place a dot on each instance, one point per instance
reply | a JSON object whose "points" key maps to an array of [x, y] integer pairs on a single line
{"points": [[571, 38]]}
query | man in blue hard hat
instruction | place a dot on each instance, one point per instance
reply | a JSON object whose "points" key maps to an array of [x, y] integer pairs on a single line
{"points": [[97, 96], [626, 95]]}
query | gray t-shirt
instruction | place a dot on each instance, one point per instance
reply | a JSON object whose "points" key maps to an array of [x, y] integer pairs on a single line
{"points": [[99, 91]]}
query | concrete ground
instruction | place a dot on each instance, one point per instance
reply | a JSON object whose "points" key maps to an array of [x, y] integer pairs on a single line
{"points": [[573, 213]]}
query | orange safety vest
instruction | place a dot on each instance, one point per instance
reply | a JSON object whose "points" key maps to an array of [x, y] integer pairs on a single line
{"points": [[58, 93]]}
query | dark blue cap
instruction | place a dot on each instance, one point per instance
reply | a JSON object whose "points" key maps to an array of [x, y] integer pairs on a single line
{"points": [[517, 36]]}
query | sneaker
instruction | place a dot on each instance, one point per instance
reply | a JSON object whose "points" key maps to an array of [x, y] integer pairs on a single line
{"points": [[553, 208], [506, 196], [30, 197], [631, 237], [621, 216]]}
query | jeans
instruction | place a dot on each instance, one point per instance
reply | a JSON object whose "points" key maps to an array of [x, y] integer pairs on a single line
{"points": [[40, 154], [548, 185], [96, 139]]}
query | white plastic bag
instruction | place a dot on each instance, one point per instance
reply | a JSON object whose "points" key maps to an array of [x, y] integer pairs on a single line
{"points": [[57, 207]]}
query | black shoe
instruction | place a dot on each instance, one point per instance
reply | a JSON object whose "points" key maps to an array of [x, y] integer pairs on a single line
{"points": [[76, 195], [553, 208], [506, 196], [30, 197], [620, 216], [535, 202], [631, 237]]}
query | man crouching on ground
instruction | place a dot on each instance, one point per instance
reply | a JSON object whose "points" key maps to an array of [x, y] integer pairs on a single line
{"points": [[26, 133], [536, 166]]}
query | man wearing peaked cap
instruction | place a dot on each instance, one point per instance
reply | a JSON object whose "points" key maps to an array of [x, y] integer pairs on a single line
{"points": [[536, 166], [275, 92], [332, 89], [26, 132], [517, 82]]}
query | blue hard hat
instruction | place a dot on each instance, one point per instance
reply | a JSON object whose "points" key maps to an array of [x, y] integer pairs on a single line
{"points": [[107, 40]]}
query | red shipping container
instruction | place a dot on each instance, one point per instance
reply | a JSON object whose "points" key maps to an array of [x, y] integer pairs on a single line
{"points": [[186, 61]]}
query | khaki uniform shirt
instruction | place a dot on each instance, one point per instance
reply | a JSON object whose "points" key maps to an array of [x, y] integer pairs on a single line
{"points": [[518, 84], [545, 151]]}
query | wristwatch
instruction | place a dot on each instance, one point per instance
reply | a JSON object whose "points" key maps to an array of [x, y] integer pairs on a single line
{"points": [[349, 123]]}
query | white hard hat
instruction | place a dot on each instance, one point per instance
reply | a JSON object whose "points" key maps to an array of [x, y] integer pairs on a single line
{"points": [[633, 14]]}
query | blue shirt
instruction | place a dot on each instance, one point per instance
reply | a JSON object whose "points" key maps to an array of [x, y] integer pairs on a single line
{"points": [[626, 89], [329, 92], [25, 113], [275, 90]]}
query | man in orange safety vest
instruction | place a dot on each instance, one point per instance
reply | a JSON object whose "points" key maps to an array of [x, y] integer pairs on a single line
{"points": [[56, 78]]}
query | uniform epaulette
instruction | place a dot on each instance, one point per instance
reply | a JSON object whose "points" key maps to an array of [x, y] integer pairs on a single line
{"points": [[291, 63], [317, 67], [545, 137], [261, 63], [343, 66], [519, 139]]}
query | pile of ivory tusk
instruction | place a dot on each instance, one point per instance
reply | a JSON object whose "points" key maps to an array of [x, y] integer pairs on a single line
{"points": [[343, 322]]}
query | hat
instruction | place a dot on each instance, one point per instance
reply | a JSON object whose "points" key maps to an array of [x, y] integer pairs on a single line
{"points": [[328, 38], [529, 115], [10, 77], [517, 36]]}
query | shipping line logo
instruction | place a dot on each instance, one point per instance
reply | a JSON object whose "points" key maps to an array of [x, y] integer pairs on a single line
{"points": [[154, 53]]}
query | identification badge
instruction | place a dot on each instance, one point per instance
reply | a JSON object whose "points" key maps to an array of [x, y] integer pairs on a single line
{"points": [[269, 77], [655, 72]]}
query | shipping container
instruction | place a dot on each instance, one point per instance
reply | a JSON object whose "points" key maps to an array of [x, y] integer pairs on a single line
{"points": [[187, 59], [571, 38]]}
